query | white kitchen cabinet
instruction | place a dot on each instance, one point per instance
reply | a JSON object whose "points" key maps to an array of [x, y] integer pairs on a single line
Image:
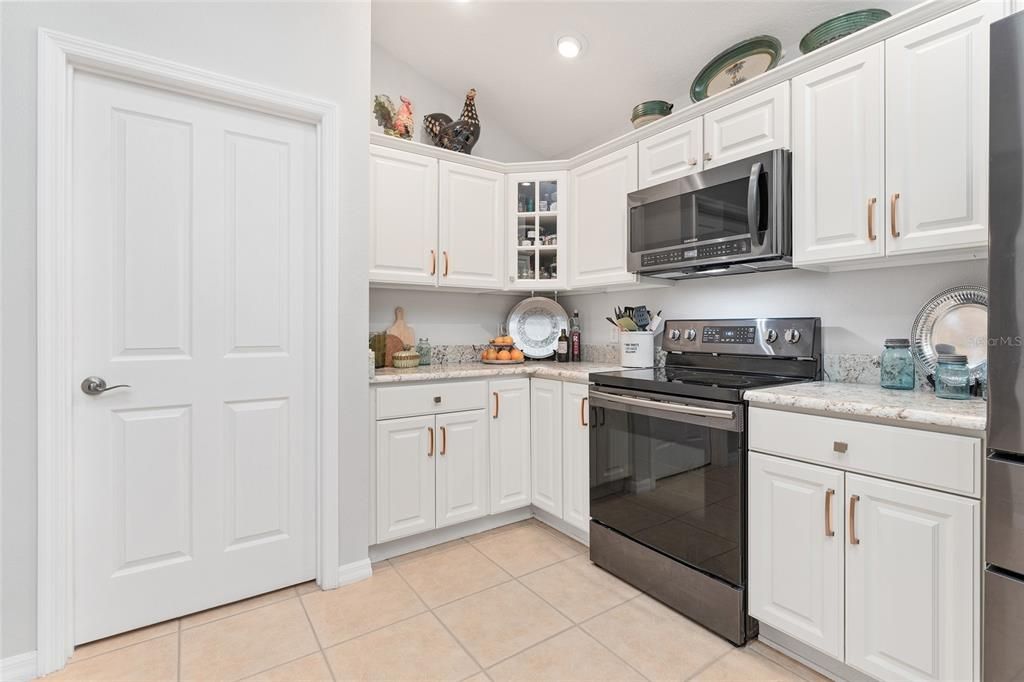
{"points": [[599, 219], [461, 485], [750, 126], [403, 217], [576, 455], [510, 444], [912, 582], [936, 130], [546, 444], [796, 533], [671, 154], [471, 227], [405, 476], [537, 230], [839, 160]]}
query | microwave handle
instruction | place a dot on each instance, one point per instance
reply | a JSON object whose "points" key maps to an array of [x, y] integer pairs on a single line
{"points": [[754, 202]]}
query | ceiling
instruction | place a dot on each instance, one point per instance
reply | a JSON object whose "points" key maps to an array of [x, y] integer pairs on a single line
{"points": [[634, 51]]}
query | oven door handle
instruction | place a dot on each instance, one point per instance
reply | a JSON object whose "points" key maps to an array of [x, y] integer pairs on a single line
{"points": [[694, 410], [754, 202]]}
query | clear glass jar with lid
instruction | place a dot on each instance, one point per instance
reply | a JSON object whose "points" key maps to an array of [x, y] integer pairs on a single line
{"points": [[423, 348], [953, 377], [897, 365]]}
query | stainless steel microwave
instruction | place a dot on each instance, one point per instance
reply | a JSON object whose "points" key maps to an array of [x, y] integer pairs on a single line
{"points": [[727, 220]]}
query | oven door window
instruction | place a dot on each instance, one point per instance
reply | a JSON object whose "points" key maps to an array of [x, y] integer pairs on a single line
{"points": [[675, 487]]}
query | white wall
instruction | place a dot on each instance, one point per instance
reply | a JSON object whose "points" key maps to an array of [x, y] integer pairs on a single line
{"points": [[858, 310], [443, 317], [393, 77], [319, 49]]}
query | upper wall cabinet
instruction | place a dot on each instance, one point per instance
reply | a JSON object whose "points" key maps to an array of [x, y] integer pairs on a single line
{"points": [[403, 217], [671, 154], [599, 219], [471, 219], [754, 124], [838, 159], [536, 230], [936, 132]]}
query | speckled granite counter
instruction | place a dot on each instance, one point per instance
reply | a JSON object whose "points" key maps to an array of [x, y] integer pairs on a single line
{"points": [[875, 402], [567, 371]]}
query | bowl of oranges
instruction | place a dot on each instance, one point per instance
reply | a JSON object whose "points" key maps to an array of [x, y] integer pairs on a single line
{"points": [[502, 351]]}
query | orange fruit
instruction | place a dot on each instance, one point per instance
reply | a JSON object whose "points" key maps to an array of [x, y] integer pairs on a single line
{"points": [[483, 355], [490, 354], [516, 354], [504, 355]]}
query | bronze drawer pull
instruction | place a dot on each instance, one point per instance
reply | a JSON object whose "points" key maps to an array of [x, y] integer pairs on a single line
{"points": [[854, 540], [829, 531], [430, 452], [871, 219], [496, 404], [433, 262], [583, 410], [892, 215], [444, 440]]}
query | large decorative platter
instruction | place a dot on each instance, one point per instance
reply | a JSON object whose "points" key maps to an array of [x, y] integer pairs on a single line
{"points": [[534, 324], [738, 64], [956, 317], [840, 27]]}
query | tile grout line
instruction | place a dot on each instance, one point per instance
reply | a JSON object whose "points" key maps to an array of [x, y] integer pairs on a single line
{"points": [[179, 650], [316, 636]]}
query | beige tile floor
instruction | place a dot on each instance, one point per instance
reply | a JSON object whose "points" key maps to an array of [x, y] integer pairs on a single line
{"points": [[521, 602]]}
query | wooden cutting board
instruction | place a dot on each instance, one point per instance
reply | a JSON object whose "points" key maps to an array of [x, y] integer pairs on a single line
{"points": [[401, 329]]}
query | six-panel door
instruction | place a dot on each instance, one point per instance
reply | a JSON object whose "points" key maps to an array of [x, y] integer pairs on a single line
{"points": [[936, 128], [839, 160], [403, 217], [461, 473], [912, 577], [510, 444], [754, 124], [796, 550], [546, 444], [471, 227], [406, 449], [576, 455]]}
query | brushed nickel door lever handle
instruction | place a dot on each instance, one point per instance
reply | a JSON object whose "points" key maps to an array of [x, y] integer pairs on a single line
{"points": [[98, 386]]}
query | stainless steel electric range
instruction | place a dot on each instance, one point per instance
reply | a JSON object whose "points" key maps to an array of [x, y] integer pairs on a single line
{"points": [[668, 462]]}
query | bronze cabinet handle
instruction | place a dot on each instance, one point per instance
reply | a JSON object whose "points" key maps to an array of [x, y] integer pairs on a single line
{"points": [[829, 531], [433, 262], [583, 411], [854, 540], [892, 215], [496, 404], [430, 452], [445, 273], [444, 440], [871, 219]]}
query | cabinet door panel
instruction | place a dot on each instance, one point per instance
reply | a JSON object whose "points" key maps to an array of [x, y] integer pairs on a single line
{"points": [[461, 467], [838, 159], [403, 217], [546, 444], [912, 582], [471, 226], [671, 154], [576, 456], [510, 444], [754, 124], [600, 219], [936, 129], [405, 477], [796, 566]]}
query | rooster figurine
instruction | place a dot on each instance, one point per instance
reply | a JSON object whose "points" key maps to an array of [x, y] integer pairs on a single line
{"points": [[395, 123], [460, 135]]}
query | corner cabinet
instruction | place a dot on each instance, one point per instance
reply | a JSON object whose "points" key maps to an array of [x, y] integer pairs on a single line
{"points": [[470, 227], [510, 444], [600, 219], [546, 444], [537, 230]]}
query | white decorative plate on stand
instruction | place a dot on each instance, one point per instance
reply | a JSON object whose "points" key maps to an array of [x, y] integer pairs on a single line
{"points": [[534, 325]]}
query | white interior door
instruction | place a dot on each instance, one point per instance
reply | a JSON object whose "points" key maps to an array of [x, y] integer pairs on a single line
{"points": [[194, 279]]}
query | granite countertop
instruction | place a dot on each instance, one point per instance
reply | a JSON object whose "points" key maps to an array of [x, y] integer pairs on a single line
{"points": [[565, 371], [862, 400]]}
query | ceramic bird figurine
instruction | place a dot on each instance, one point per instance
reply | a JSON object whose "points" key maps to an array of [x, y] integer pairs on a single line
{"points": [[395, 123], [460, 135]]}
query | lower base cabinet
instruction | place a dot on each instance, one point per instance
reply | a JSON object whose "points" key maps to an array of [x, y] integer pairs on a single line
{"points": [[461, 485], [576, 456], [546, 444], [510, 444]]}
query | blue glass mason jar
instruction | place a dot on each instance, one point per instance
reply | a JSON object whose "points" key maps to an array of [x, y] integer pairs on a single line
{"points": [[423, 348], [897, 365], [953, 377]]}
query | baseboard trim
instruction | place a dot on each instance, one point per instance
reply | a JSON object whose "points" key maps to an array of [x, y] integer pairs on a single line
{"points": [[561, 526], [18, 668], [816, 660], [412, 543], [354, 571]]}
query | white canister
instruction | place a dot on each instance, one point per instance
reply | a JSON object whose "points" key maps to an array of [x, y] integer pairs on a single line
{"points": [[636, 349]]}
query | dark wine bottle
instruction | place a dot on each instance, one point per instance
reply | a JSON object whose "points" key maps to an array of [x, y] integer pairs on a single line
{"points": [[575, 338], [562, 355]]}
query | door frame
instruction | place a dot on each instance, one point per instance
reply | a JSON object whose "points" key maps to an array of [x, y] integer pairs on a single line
{"points": [[60, 57]]}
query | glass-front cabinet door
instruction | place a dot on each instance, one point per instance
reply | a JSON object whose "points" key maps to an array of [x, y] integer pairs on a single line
{"points": [[537, 230]]}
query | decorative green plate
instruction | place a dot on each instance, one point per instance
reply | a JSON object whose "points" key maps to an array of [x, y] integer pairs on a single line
{"points": [[739, 63], [840, 27]]}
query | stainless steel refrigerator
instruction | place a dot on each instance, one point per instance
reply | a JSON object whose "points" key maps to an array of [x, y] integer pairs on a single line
{"points": [[1004, 516]]}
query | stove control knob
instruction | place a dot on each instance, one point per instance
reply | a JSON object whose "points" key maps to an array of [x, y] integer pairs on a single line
{"points": [[771, 336], [674, 334], [691, 334], [792, 335]]}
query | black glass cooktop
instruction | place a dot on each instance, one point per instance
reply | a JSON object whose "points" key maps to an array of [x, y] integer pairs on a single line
{"points": [[686, 381]]}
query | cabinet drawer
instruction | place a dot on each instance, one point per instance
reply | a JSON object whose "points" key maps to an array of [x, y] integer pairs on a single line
{"points": [[935, 460], [406, 401]]}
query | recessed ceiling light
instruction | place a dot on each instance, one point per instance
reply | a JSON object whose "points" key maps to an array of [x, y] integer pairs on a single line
{"points": [[569, 47]]}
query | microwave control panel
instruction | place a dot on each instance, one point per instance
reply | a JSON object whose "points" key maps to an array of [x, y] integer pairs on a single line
{"points": [[697, 252]]}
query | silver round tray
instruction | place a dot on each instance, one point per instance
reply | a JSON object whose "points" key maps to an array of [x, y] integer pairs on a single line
{"points": [[956, 317], [534, 324]]}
